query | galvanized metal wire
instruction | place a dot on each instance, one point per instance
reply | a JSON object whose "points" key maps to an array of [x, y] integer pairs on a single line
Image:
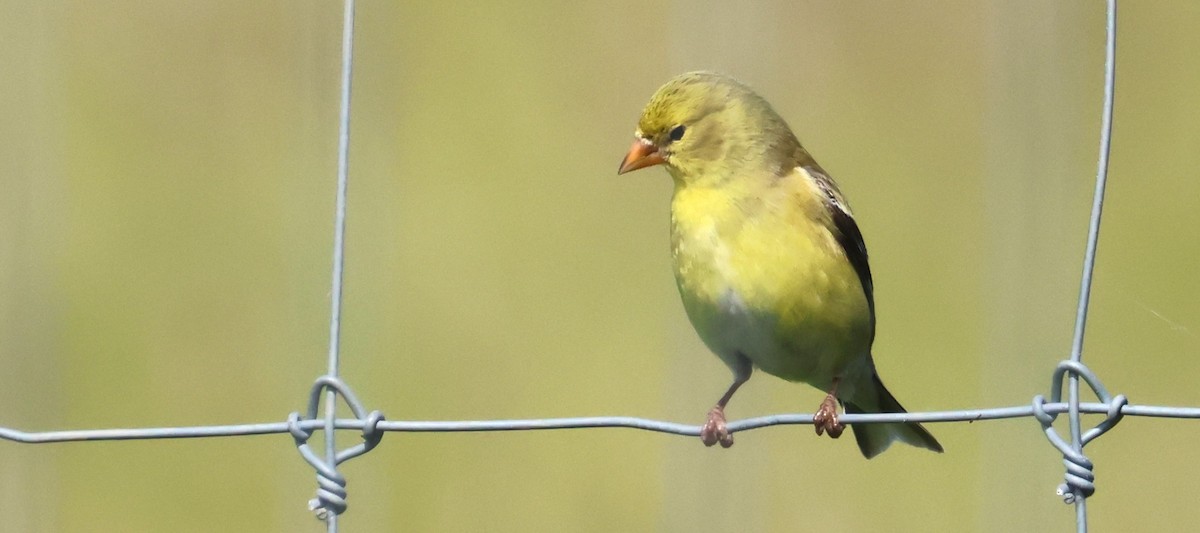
{"points": [[1079, 469], [330, 500], [1093, 238], [1036, 408], [1079, 481]]}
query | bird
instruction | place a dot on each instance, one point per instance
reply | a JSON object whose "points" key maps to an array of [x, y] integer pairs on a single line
{"points": [[769, 261]]}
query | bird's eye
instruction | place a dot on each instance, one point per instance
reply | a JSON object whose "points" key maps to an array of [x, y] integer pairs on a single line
{"points": [[677, 132]]}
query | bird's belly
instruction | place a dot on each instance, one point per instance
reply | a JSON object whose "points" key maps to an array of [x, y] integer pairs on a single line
{"points": [[796, 310], [810, 351]]}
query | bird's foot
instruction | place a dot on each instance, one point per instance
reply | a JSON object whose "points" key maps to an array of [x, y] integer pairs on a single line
{"points": [[826, 418], [714, 429]]}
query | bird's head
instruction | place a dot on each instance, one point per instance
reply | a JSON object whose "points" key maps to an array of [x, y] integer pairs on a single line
{"points": [[708, 127]]}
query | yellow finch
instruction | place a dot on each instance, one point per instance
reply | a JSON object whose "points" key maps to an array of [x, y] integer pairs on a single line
{"points": [[768, 259]]}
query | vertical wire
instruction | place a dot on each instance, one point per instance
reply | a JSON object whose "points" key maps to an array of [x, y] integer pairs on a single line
{"points": [[1089, 258], [339, 240]]}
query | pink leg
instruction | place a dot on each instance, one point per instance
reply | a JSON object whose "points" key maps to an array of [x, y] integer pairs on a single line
{"points": [[714, 429], [826, 417]]}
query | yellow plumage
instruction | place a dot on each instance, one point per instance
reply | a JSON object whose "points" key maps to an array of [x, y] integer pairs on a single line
{"points": [[769, 261], [763, 268]]}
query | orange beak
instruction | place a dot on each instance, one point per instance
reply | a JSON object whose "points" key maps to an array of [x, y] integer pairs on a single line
{"points": [[642, 154]]}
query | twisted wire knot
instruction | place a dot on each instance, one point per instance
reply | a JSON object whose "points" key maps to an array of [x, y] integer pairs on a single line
{"points": [[1079, 480], [331, 484]]}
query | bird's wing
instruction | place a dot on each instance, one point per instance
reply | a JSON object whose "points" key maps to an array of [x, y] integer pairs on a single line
{"points": [[847, 232]]}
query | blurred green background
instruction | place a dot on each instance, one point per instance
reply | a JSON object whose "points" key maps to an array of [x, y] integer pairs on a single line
{"points": [[166, 200]]}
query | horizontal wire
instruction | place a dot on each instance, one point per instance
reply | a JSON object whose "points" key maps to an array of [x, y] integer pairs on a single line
{"points": [[432, 426]]}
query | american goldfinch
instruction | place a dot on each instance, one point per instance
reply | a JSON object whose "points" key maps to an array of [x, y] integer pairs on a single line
{"points": [[768, 259]]}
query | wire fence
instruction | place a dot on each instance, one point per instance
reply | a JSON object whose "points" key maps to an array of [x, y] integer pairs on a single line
{"points": [[330, 500]]}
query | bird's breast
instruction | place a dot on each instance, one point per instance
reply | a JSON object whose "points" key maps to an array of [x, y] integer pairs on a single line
{"points": [[767, 279]]}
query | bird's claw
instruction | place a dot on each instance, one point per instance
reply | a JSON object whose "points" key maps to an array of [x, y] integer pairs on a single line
{"points": [[826, 418], [714, 429]]}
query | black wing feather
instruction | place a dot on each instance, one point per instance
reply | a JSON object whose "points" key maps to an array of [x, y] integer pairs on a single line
{"points": [[848, 234]]}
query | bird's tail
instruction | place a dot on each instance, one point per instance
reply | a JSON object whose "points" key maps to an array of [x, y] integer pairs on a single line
{"points": [[873, 439]]}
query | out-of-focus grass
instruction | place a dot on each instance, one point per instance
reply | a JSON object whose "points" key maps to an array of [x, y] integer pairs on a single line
{"points": [[165, 222]]}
